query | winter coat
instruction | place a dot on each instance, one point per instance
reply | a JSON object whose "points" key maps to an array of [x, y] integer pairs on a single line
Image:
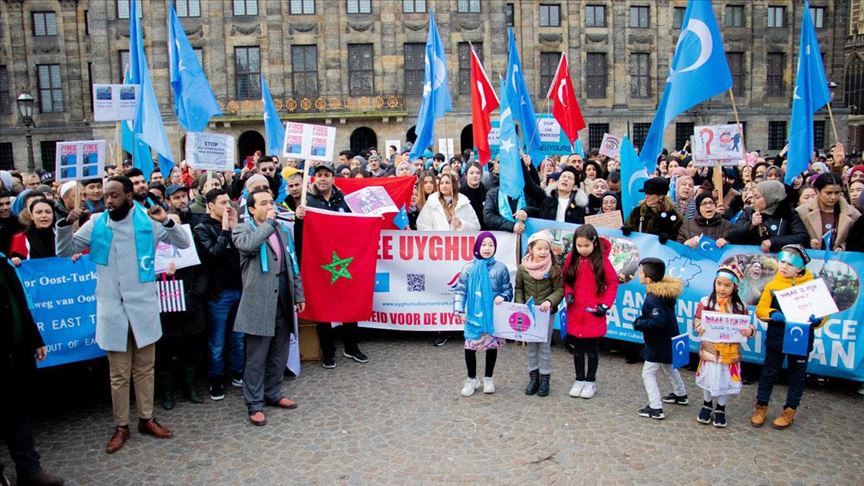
{"points": [[657, 322], [499, 275], [220, 256], [714, 228], [492, 217], [477, 196], [434, 218], [784, 227], [768, 304], [666, 222], [812, 219], [551, 288], [576, 208], [17, 366], [581, 323]]}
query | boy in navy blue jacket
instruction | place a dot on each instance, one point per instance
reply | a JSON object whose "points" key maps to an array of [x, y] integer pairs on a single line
{"points": [[659, 325]]}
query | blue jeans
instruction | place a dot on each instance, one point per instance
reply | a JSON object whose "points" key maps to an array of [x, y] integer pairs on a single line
{"points": [[221, 313]]}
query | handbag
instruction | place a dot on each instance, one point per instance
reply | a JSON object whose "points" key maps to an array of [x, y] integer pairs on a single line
{"points": [[172, 297]]}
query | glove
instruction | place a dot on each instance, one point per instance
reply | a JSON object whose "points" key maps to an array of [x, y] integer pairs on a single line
{"points": [[815, 321], [599, 311], [626, 230], [662, 238], [568, 299], [777, 316]]}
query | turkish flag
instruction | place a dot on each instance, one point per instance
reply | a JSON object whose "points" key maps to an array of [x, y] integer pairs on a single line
{"points": [[400, 190], [340, 251], [483, 103], [565, 109]]}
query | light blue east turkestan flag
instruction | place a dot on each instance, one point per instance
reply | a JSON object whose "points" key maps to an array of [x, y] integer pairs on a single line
{"points": [[633, 174], [148, 126], [436, 91], [512, 182], [194, 101], [698, 71], [273, 127], [811, 93], [521, 105], [142, 157]]}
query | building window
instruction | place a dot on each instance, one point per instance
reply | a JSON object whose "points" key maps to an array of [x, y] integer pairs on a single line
{"points": [[595, 74], [361, 70], [640, 75], [188, 8], [199, 54], [302, 7], [50, 89], [775, 84], [548, 64], [819, 134], [468, 6], [818, 16], [639, 17], [550, 15], [683, 132], [777, 17], [90, 80], [245, 7], [736, 66], [7, 159], [304, 70], [510, 15], [854, 85], [678, 17], [48, 151], [640, 133], [414, 55], [44, 24], [776, 135], [359, 6], [247, 73], [465, 65], [86, 22], [734, 15], [123, 9], [595, 16], [5, 96], [124, 64], [595, 134], [413, 6]]}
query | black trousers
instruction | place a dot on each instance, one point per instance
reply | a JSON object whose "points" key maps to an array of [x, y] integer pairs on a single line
{"points": [[471, 362], [14, 423], [184, 348], [326, 336], [582, 347], [797, 374]]}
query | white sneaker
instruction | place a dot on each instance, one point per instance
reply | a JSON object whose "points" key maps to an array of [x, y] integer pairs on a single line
{"points": [[589, 389], [471, 384], [488, 385], [576, 391]]}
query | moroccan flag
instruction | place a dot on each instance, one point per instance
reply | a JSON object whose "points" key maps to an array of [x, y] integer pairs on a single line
{"points": [[340, 251], [399, 189], [565, 109], [483, 103]]}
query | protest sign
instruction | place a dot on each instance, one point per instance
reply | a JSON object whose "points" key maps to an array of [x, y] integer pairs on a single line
{"points": [[79, 160], [115, 102], [181, 257], [605, 220], [371, 200], [553, 140], [445, 146], [808, 299], [610, 146], [310, 142], [392, 143], [717, 144], [210, 151], [520, 323], [62, 298], [724, 328]]}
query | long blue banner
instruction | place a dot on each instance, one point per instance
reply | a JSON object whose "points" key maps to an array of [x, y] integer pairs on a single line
{"points": [[839, 343]]}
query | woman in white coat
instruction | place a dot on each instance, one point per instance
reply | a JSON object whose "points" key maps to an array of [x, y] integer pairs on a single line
{"points": [[448, 210]]}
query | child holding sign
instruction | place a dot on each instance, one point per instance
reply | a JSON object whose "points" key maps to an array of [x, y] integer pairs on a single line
{"points": [[719, 372], [483, 283], [538, 277], [791, 272]]}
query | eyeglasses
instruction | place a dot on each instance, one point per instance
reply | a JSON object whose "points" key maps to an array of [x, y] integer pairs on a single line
{"points": [[707, 202]]}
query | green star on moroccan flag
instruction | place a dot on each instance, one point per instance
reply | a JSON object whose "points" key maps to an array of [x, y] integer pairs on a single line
{"points": [[338, 268]]}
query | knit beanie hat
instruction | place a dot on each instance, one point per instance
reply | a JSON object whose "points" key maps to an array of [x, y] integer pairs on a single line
{"points": [[541, 235]]}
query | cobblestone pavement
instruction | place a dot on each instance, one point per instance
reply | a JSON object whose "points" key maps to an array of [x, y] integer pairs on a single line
{"points": [[400, 419]]}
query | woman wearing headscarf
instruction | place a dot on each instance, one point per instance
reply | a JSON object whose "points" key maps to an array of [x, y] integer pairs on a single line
{"points": [[769, 223], [707, 221]]}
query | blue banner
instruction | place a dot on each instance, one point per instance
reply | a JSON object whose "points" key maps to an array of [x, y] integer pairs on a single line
{"points": [[62, 297], [839, 346]]}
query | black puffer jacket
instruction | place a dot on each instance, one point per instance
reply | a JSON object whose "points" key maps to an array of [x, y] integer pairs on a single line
{"points": [[784, 227]]}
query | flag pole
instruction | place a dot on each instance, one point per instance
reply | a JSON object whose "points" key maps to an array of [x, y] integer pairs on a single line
{"points": [[833, 126], [542, 111], [305, 189]]}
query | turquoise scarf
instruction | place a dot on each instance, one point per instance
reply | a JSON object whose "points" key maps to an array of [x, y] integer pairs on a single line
{"points": [[265, 265], [145, 243], [504, 206], [479, 300]]}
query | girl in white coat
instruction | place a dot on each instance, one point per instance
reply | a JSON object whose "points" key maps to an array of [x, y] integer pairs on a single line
{"points": [[447, 209]]}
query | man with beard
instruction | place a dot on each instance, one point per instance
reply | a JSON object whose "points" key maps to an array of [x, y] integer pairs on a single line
{"points": [[9, 224], [140, 189], [178, 201], [122, 243]]}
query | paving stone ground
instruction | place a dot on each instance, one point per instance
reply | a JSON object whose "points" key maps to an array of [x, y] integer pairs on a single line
{"points": [[399, 419]]}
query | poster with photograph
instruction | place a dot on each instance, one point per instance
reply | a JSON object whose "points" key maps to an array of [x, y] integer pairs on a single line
{"points": [[114, 102], [371, 200], [80, 160], [309, 142]]}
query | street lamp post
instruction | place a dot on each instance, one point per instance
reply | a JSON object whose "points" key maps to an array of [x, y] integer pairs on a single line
{"points": [[25, 114]]}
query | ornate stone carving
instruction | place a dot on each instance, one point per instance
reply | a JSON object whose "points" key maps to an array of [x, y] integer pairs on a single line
{"points": [[596, 38], [245, 29], [551, 38], [469, 24], [68, 3], [415, 27], [303, 28], [369, 26], [640, 39]]}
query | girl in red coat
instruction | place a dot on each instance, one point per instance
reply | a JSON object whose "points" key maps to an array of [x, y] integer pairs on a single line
{"points": [[590, 285]]}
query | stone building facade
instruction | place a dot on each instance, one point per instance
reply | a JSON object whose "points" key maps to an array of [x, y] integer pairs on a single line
{"points": [[358, 64]]}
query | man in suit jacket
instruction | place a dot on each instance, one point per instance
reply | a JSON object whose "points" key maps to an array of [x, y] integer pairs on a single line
{"points": [[271, 291]]}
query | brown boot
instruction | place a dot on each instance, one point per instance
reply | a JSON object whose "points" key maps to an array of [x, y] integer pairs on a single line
{"points": [[759, 416], [152, 427], [121, 434], [785, 419]]}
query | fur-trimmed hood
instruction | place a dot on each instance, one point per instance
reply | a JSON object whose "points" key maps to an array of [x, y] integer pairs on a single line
{"points": [[670, 288]]}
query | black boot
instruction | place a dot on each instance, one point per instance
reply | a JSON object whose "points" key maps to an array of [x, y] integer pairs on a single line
{"points": [[533, 382], [189, 388], [544, 386], [165, 384]]}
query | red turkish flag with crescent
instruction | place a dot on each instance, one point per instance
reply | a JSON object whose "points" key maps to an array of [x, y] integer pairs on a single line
{"points": [[565, 109], [483, 102]]}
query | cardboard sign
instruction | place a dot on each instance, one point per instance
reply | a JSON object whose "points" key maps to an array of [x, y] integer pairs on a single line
{"points": [[518, 322], [606, 220], [114, 102], [811, 298], [715, 143], [371, 200], [210, 151], [724, 328], [182, 258], [79, 160], [309, 142], [610, 146]]}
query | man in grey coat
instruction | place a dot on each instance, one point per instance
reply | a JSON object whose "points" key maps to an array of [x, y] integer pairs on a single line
{"points": [[127, 309], [271, 292]]}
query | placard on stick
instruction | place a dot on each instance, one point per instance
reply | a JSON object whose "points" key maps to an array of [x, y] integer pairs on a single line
{"points": [[718, 145], [210, 151], [309, 142], [114, 102], [610, 146], [80, 160]]}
